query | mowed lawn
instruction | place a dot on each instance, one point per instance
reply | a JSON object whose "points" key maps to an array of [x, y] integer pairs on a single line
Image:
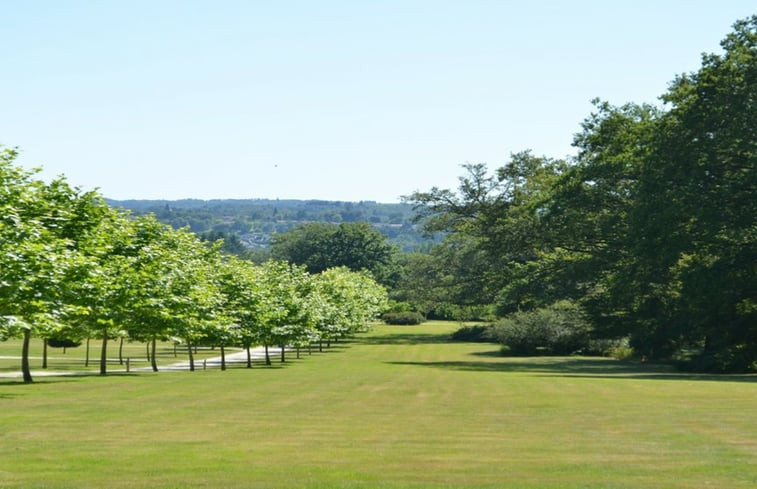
{"points": [[400, 407]]}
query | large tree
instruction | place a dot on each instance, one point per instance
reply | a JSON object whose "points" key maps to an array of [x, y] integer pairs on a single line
{"points": [[355, 245], [42, 228]]}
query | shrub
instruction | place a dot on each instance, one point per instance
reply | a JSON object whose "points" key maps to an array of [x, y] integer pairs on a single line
{"points": [[402, 318], [399, 306], [63, 343], [558, 329], [478, 334], [615, 348]]}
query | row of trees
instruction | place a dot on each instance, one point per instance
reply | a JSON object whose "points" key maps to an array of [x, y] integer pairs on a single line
{"points": [[651, 229], [71, 266]]}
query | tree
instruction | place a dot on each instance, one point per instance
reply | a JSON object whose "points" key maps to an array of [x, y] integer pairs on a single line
{"points": [[355, 245], [662, 205], [244, 296], [177, 292], [347, 302], [494, 225], [286, 319], [40, 229], [697, 213]]}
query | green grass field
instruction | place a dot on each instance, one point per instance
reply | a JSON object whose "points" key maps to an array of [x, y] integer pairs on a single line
{"points": [[398, 408]]}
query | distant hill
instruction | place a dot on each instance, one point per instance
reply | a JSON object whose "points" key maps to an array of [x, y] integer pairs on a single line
{"points": [[254, 221]]}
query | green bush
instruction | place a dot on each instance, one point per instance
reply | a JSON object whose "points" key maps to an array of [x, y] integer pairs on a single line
{"points": [[63, 343], [479, 333], [402, 318], [615, 348], [558, 329]]}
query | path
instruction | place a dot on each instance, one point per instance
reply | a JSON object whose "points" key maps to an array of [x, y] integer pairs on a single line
{"points": [[257, 354]]}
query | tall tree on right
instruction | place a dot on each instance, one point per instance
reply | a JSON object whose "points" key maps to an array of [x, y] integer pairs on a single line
{"points": [[666, 203], [693, 226]]}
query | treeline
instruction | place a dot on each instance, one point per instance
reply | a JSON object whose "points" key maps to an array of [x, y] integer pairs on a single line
{"points": [[648, 235], [254, 221], [72, 266]]}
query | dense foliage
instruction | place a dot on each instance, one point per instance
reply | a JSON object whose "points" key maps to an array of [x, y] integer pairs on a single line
{"points": [[651, 229], [558, 329], [402, 318], [320, 246]]}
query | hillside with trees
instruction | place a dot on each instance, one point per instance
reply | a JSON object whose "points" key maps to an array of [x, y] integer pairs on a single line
{"points": [[254, 221]]}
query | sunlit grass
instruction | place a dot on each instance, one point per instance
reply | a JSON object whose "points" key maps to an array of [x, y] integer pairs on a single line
{"points": [[398, 408]]}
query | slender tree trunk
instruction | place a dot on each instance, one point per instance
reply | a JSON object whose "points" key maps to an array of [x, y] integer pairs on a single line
{"points": [[44, 353], [223, 357], [147, 350], [86, 358], [310, 348], [249, 357], [25, 357], [104, 353], [191, 357], [298, 351], [121, 351], [320, 345], [328, 343], [267, 356], [282, 354], [153, 361]]}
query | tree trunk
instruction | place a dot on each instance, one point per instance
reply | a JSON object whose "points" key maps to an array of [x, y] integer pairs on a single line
{"points": [[249, 357], [223, 358], [147, 350], [25, 357], [86, 358], [152, 359], [298, 351], [44, 353], [282, 354], [320, 345], [104, 353], [267, 356], [121, 351], [191, 357]]}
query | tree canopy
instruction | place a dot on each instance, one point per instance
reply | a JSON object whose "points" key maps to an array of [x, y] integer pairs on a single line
{"points": [[320, 246]]}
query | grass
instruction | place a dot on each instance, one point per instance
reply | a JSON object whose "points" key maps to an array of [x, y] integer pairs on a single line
{"points": [[398, 408]]}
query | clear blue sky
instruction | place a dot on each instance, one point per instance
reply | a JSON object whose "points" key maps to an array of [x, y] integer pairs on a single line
{"points": [[337, 100]]}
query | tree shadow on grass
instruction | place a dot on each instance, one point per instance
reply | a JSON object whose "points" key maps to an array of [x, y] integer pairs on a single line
{"points": [[579, 367], [404, 339]]}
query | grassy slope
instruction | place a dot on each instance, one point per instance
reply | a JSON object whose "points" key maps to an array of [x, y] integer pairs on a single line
{"points": [[397, 408]]}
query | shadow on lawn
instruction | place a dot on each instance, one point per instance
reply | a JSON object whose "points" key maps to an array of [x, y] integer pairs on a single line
{"points": [[600, 368], [403, 339]]}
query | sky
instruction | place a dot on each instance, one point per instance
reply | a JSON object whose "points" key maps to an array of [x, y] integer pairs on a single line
{"points": [[333, 100]]}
